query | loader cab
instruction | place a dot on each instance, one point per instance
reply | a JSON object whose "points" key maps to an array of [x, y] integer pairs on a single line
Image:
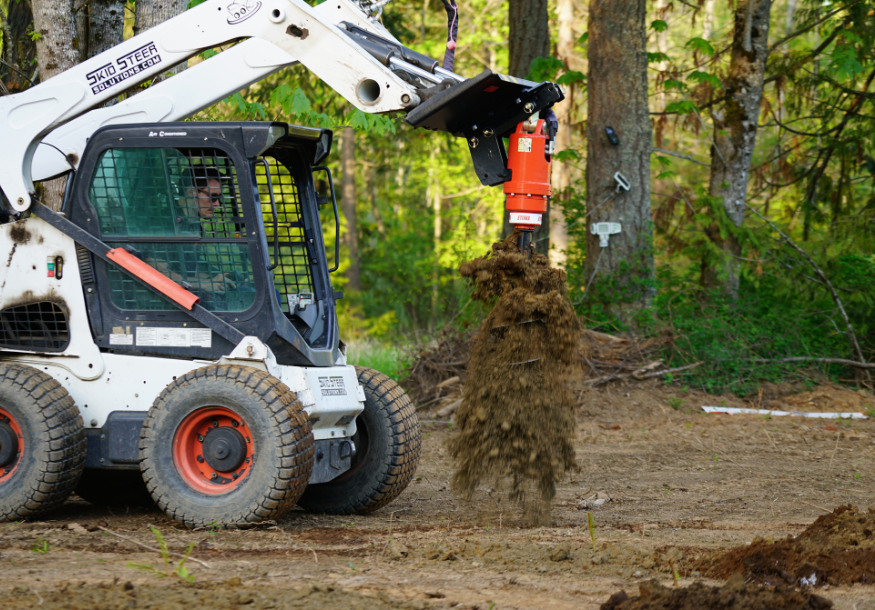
{"points": [[228, 211]]}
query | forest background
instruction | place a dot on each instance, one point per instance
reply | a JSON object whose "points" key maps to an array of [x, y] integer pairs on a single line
{"points": [[744, 132]]}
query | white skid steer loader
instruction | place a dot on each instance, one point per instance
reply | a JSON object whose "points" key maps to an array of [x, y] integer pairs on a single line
{"points": [[174, 323]]}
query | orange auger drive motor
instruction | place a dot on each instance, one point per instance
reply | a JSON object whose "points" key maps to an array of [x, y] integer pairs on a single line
{"points": [[529, 190]]}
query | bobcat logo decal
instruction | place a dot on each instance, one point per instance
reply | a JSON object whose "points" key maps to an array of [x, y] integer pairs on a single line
{"points": [[241, 10]]}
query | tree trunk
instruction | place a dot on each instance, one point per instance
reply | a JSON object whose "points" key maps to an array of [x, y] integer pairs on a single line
{"points": [[661, 47], [528, 39], [436, 202], [106, 25], [735, 130], [789, 17], [529, 36], [57, 44], [708, 21], [561, 177], [149, 13], [347, 202], [617, 98], [56, 51]]}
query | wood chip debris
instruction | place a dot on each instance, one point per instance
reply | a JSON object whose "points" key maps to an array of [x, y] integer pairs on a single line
{"points": [[593, 499]]}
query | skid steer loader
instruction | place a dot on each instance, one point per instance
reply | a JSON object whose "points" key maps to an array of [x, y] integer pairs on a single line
{"points": [[174, 324]]}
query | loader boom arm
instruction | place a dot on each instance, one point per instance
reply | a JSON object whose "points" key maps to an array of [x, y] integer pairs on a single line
{"points": [[287, 31]]}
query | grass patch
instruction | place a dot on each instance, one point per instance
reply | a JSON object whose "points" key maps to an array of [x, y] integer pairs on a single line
{"points": [[386, 358]]}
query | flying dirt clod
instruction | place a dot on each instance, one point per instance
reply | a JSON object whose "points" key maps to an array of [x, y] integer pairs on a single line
{"points": [[516, 423]]}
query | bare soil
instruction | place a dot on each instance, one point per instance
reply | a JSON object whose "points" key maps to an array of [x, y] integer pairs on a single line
{"points": [[666, 485], [837, 549], [734, 595]]}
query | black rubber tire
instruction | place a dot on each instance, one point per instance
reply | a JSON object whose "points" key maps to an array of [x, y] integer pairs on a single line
{"points": [[114, 488], [388, 446], [282, 437], [54, 442]]}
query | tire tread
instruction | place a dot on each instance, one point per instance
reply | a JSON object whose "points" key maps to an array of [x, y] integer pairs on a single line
{"points": [[287, 416], [404, 451], [62, 430]]}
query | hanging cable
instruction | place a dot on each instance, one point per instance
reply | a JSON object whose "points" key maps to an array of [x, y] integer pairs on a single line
{"points": [[452, 33]]}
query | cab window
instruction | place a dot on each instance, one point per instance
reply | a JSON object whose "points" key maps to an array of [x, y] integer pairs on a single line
{"points": [[176, 209]]}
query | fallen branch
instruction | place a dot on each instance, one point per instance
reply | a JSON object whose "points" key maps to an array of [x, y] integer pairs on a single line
{"points": [[151, 548], [826, 510], [679, 369], [603, 337], [854, 363], [447, 382], [449, 409], [643, 376]]}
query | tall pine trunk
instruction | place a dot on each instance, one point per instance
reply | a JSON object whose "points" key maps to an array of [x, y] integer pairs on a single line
{"points": [[708, 20], [106, 25], [56, 51], [622, 272], [561, 178], [735, 131], [528, 39], [149, 13], [347, 202]]}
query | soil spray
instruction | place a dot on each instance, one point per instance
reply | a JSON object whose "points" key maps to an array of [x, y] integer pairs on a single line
{"points": [[516, 422]]}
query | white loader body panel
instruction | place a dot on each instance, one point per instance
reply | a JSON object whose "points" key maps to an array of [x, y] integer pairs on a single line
{"points": [[101, 383]]}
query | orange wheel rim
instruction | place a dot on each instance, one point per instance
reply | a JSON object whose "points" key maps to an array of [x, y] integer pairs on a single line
{"points": [[213, 450], [11, 426]]}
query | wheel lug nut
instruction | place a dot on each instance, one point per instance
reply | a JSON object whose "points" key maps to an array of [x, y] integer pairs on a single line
{"points": [[200, 459], [214, 476], [235, 476], [200, 437], [234, 423], [215, 424]]}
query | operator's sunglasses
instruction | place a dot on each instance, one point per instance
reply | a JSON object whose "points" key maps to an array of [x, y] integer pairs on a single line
{"points": [[213, 198]]}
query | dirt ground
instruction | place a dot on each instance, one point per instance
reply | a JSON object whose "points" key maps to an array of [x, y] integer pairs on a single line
{"points": [[667, 487]]}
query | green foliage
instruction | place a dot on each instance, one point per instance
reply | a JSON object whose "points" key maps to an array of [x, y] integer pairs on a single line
{"points": [[658, 25], [179, 570], [41, 547], [681, 107], [294, 104], [570, 77], [545, 68], [703, 77], [701, 45], [844, 59], [388, 358], [765, 323], [591, 525]]}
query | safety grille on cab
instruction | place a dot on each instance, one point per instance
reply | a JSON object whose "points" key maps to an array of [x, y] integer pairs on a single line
{"points": [[38, 326]]}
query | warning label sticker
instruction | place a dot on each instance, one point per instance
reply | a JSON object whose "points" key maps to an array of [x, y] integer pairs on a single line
{"points": [[524, 145], [121, 339], [174, 337]]}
